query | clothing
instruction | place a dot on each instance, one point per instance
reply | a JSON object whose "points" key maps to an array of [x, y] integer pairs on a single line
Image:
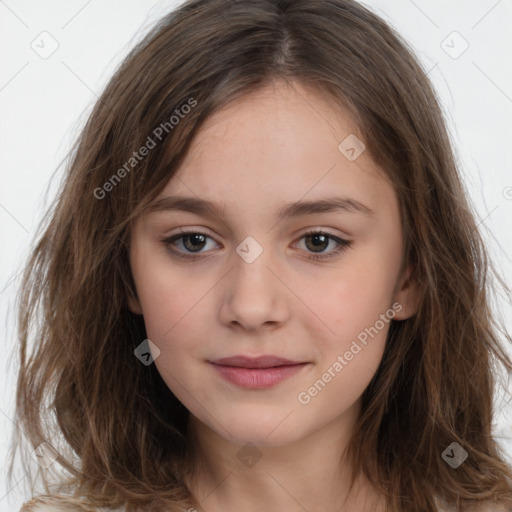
{"points": [[56, 504], [61, 504], [47, 503]]}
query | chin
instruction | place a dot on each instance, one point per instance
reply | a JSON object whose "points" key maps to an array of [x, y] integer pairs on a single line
{"points": [[260, 431]]}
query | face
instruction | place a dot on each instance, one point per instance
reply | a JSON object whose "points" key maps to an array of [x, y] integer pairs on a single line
{"points": [[315, 286]]}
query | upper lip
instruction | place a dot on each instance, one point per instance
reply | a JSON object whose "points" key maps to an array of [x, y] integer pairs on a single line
{"points": [[255, 362]]}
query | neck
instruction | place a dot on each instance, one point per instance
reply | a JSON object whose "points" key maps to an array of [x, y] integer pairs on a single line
{"points": [[311, 473]]}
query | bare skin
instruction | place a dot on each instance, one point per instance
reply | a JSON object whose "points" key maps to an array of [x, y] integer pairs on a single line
{"points": [[272, 148]]}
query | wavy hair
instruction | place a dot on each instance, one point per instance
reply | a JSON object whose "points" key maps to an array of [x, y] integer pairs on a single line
{"points": [[122, 432]]}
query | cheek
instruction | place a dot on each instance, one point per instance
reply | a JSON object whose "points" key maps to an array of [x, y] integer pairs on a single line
{"points": [[353, 315], [175, 316], [172, 305], [166, 291], [351, 348], [352, 301]]}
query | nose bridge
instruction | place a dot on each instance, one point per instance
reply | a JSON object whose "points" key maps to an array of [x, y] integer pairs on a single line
{"points": [[251, 271], [254, 294]]}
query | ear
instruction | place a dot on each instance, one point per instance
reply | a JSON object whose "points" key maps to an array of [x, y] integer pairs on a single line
{"points": [[407, 295], [134, 304]]}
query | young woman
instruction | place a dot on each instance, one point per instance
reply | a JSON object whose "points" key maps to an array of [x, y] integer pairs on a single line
{"points": [[261, 286]]}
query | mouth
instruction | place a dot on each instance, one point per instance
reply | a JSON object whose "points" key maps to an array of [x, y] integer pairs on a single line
{"points": [[257, 373], [255, 362]]}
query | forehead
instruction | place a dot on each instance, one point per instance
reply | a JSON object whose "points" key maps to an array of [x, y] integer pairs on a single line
{"points": [[279, 145]]}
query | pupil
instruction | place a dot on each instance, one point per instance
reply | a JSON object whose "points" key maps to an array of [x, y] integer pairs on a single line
{"points": [[197, 239], [195, 242], [317, 238]]}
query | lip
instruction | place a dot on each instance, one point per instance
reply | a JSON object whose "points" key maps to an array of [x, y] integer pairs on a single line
{"points": [[256, 373], [266, 361]]}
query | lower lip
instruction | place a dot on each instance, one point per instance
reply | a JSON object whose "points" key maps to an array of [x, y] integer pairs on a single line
{"points": [[258, 378]]}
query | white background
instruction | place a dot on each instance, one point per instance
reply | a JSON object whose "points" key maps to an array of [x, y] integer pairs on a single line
{"points": [[43, 102]]}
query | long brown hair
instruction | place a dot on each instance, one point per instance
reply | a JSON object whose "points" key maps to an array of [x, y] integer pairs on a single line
{"points": [[122, 432]]}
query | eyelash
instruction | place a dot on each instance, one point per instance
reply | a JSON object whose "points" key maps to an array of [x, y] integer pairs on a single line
{"points": [[342, 245]]}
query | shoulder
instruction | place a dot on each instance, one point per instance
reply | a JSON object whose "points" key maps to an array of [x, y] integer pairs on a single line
{"points": [[492, 507], [488, 507], [47, 503], [484, 506]]}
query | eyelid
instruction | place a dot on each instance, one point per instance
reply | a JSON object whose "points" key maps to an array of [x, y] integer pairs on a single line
{"points": [[342, 243], [187, 230]]}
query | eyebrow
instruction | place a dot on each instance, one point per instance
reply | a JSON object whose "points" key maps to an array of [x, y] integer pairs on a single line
{"points": [[207, 208]]}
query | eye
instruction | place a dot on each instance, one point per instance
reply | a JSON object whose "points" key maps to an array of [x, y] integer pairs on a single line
{"points": [[193, 243], [320, 240]]}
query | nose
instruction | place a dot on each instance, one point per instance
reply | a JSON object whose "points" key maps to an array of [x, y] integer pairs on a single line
{"points": [[254, 294]]}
